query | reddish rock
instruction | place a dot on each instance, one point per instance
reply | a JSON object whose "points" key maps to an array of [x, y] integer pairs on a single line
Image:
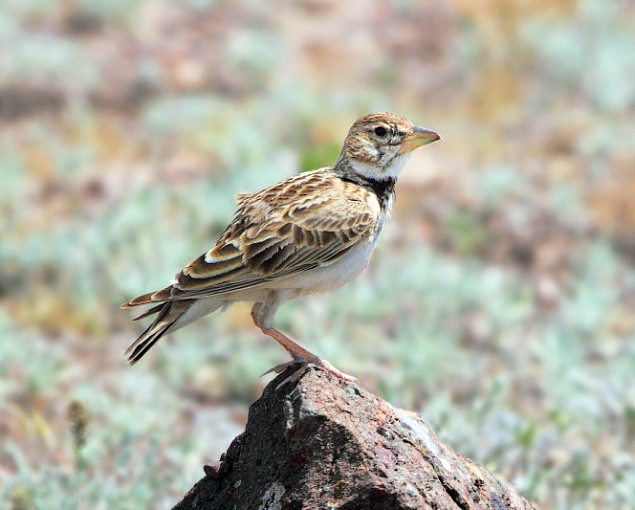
{"points": [[322, 443]]}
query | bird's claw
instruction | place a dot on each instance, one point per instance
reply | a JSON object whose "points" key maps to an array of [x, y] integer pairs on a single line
{"points": [[278, 369], [305, 364], [295, 376], [325, 365]]}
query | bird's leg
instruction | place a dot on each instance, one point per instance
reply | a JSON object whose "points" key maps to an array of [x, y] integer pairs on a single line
{"points": [[300, 355], [297, 352]]}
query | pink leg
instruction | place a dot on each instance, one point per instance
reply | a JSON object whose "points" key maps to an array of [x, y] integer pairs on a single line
{"points": [[299, 355]]}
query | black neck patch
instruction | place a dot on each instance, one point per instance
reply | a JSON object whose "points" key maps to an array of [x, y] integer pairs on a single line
{"points": [[384, 188]]}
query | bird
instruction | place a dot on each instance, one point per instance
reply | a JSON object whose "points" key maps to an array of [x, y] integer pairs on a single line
{"points": [[310, 233]]}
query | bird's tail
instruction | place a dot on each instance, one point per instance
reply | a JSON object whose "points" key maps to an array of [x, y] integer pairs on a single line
{"points": [[169, 314]]}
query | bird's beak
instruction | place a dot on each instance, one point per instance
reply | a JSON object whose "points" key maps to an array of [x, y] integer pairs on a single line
{"points": [[419, 137]]}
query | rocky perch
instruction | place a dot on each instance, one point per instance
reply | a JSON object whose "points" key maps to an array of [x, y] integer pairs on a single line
{"points": [[322, 443]]}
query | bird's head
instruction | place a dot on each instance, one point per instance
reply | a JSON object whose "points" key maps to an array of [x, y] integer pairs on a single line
{"points": [[378, 145]]}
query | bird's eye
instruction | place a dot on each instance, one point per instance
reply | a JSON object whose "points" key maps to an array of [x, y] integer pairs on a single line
{"points": [[380, 131]]}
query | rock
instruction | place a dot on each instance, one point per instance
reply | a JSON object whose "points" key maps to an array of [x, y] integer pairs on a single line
{"points": [[322, 443]]}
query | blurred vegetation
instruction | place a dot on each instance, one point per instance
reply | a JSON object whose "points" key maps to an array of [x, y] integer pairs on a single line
{"points": [[500, 303]]}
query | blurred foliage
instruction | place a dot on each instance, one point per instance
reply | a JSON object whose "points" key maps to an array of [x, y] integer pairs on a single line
{"points": [[499, 303]]}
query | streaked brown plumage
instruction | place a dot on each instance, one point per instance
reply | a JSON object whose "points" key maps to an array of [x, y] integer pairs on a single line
{"points": [[309, 233]]}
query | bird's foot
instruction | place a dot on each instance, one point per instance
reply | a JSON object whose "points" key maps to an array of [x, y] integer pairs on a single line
{"points": [[299, 355], [325, 365], [278, 369], [304, 365], [295, 375]]}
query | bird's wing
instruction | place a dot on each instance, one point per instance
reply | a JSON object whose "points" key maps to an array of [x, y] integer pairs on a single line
{"points": [[299, 224]]}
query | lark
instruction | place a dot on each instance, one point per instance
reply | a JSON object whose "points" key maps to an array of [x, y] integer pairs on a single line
{"points": [[310, 233]]}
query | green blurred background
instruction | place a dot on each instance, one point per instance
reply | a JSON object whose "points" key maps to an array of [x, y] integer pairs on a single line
{"points": [[500, 303]]}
